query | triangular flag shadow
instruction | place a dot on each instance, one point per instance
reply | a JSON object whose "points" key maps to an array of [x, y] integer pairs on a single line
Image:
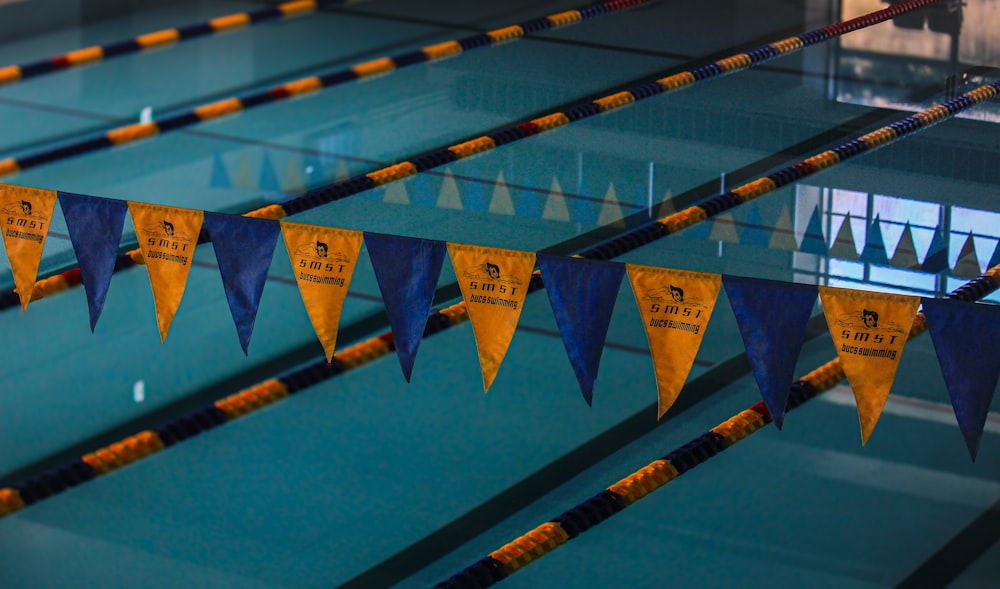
{"points": [[874, 252], [582, 294], [783, 235], [244, 247], [220, 176], [843, 246], [936, 259], [772, 317], [966, 337], [906, 251], [813, 241], [756, 233], [967, 264], [407, 270], [268, 175], [95, 229]]}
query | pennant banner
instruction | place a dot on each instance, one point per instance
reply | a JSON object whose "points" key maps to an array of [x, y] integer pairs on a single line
{"points": [[583, 295], [494, 283], [244, 247], [966, 337], [675, 306], [95, 228], [323, 260], [407, 270], [26, 214], [772, 317], [167, 238], [869, 330]]}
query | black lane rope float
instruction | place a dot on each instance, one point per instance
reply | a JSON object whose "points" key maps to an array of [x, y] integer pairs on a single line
{"points": [[384, 65], [441, 157], [14, 73], [148, 442]]}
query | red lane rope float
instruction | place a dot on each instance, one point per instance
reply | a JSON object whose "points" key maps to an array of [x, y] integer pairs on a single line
{"points": [[441, 157], [270, 391], [525, 549], [14, 73], [383, 65]]}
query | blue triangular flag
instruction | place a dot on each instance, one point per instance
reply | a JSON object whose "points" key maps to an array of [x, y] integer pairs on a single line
{"points": [[967, 340], [268, 177], [936, 259], [772, 317], [220, 176], [407, 270], [874, 252], [95, 229], [582, 294], [813, 241], [995, 258], [244, 247]]}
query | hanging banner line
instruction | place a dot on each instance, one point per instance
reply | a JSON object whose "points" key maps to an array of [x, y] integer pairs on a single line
{"points": [[524, 550], [14, 73], [383, 65], [441, 157]]}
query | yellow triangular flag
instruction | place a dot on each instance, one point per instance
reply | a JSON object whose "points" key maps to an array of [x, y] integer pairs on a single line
{"points": [[494, 283], [342, 172], [675, 306], [555, 205], [26, 214], [906, 251], [448, 196], [501, 202], [167, 237], [666, 205], [323, 259], [611, 211], [967, 263], [869, 330], [244, 178]]}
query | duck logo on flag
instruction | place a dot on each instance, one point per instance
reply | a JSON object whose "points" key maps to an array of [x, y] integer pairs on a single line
{"points": [[324, 259], [494, 284], [25, 213], [869, 330], [167, 237], [675, 306]]}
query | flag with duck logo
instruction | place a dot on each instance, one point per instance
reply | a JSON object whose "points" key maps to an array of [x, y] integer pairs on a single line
{"points": [[167, 237], [323, 260], [675, 306], [26, 214], [494, 283], [869, 330]]}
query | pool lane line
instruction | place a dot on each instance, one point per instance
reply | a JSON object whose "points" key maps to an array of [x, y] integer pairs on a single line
{"points": [[88, 55], [576, 112], [138, 446], [542, 540], [380, 66]]}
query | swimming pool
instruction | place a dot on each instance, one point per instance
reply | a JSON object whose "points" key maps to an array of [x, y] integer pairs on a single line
{"points": [[364, 480]]}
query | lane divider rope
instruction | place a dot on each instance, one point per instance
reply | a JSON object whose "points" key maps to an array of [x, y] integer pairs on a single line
{"points": [[87, 55], [148, 442], [383, 65], [544, 539], [441, 157]]}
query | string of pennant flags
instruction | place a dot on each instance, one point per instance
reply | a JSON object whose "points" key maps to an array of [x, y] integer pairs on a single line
{"points": [[868, 328], [517, 132]]}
